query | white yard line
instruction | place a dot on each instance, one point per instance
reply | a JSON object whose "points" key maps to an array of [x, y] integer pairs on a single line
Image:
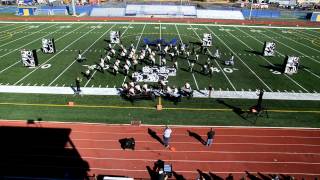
{"points": [[50, 57], [265, 58], [24, 45], [306, 34], [137, 45], [295, 41], [280, 54], [290, 48], [85, 85], [27, 35], [194, 78], [81, 54], [216, 62], [11, 28], [241, 60], [8, 25], [196, 24]]}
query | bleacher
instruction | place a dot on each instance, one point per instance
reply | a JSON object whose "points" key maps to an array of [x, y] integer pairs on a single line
{"points": [[171, 10], [109, 12], [219, 14], [259, 13]]}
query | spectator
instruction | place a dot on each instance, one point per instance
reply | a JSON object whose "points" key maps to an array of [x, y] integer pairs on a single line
{"points": [[210, 136], [166, 136]]}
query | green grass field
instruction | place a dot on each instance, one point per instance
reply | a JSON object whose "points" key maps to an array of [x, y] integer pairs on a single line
{"points": [[251, 72]]}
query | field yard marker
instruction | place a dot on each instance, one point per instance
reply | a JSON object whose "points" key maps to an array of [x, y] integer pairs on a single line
{"points": [[81, 53], [107, 85], [194, 78], [27, 35], [11, 31], [49, 58], [35, 84], [27, 44], [305, 37], [217, 64], [112, 46], [292, 48], [99, 85], [295, 82], [137, 45], [240, 59]]}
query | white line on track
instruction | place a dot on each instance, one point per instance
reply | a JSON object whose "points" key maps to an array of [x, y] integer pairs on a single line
{"points": [[190, 142], [196, 172], [200, 161], [217, 135], [216, 63], [201, 151], [50, 57], [81, 54], [194, 78], [137, 45], [26, 35], [112, 46], [241, 61], [295, 82]]}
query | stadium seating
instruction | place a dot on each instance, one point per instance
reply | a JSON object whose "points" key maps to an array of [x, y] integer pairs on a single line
{"points": [[219, 14], [113, 12], [173, 10], [258, 13], [315, 17]]}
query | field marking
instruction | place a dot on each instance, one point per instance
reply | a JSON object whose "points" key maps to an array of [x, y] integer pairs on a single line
{"points": [[26, 35], [137, 45], [186, 23], [39, 67], [204, 151], [264, 128], [112, 46], [294, 41], [291, 48], [8, 67], [6, 34], [13, 50], [153, 108], [281, 55], [194, 78], [216, 63], [81, 54], [241, 60], [10, 29], [266, 59]]}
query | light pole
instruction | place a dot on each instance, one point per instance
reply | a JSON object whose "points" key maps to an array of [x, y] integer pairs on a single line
{"points": [[250, 14]]}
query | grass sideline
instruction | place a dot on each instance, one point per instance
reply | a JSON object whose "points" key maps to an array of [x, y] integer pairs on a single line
{"points": [[113, 109]]}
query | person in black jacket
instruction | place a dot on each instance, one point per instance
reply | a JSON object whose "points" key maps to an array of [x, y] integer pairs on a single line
{"points": [[210, 136]]}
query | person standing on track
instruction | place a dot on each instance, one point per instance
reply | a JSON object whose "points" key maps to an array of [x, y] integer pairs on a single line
{"points": [[166, 136], [210, 136]]}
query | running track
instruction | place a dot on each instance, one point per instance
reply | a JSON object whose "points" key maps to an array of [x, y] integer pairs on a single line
{"points": [[235, 150]]}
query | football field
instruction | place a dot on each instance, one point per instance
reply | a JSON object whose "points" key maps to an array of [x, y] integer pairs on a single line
{"points": [[250, 72]]}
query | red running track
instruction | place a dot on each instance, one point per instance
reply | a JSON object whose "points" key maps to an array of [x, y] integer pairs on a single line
{"points": [[288, 151]]}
